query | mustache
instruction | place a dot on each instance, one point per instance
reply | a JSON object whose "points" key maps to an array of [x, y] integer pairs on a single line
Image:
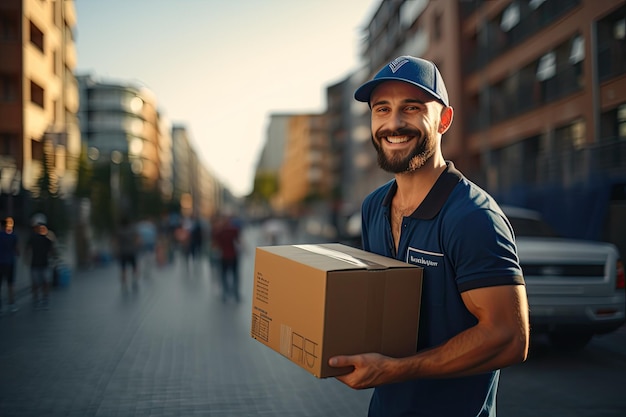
{"points": [[398, 132]]}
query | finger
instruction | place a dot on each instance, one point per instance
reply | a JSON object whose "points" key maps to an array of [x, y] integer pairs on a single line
{"points": [[340, 361]]}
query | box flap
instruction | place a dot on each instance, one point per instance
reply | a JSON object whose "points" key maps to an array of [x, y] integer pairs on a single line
{"points": [[335, 257], [342, 256]]}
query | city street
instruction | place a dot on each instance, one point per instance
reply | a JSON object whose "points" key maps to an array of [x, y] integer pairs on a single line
{"points": [[171, 347]]}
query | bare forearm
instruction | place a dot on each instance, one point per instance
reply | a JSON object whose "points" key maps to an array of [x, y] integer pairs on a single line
{"points": [[499, 339], [473, 351]]}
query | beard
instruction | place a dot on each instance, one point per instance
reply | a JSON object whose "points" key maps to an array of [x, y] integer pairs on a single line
{"points": [[397, 163]]}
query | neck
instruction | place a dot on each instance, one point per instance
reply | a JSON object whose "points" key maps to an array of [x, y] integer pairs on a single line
{"points": [[414, 186]]}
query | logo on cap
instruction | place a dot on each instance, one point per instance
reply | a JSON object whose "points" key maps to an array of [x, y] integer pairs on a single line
{"points": [[397, 63]]}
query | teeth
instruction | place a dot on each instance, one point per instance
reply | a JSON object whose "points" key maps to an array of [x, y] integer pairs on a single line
{"points": [[397, 139]]}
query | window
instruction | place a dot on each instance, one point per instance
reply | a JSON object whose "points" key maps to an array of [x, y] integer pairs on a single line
{"points": [[613, 125], [570, 137], [611, 44], [8, 28], [36, 37], [534, 4], [7, 143], [410, 11], [36, 94], [577, 52], [36, 150], [546, 68], [8, 88], [135, 104], [510, 17], [619, 30], [517, 163]]}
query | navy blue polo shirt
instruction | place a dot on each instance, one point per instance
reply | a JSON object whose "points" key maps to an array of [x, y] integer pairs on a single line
{"points": [[461, 238]]}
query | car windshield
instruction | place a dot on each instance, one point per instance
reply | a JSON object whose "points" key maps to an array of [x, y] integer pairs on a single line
{"points": [[531, 227]]}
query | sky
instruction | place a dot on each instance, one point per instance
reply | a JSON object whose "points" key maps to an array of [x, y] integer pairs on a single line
{"points": [[221, 67]]}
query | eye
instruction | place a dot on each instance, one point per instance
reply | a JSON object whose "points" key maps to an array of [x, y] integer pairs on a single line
{"points": [[381, 109]]}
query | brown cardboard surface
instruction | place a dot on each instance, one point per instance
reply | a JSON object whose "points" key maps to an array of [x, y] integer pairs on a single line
{"points": [[312, 302]]}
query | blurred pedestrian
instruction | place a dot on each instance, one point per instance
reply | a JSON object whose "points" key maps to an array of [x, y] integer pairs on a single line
{"points": [[147, 232], [182, 235], [274, 231], [127, 246], [40, 250], [225, 237], [9, 252], [215, 258], [194, 249]]}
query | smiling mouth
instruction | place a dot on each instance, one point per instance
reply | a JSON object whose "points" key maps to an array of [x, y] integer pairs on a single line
{"points": [[397, 139]]}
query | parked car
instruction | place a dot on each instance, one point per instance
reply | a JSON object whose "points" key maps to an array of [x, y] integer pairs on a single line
{"points": [[575, 287]]}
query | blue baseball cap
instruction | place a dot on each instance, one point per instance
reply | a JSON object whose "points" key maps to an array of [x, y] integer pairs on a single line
{"points": [[416, 71]]}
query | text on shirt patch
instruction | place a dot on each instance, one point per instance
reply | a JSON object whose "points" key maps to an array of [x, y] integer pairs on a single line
{"points": [[423, 258]]}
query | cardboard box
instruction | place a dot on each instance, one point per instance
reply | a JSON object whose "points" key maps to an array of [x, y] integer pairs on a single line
{"points": [[312, 302]]}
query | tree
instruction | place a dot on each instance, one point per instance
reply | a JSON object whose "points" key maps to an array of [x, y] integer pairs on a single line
{"points": [[46, 197]]}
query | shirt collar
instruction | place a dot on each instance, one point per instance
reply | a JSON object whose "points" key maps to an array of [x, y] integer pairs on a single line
{"points": [[437, 195]]}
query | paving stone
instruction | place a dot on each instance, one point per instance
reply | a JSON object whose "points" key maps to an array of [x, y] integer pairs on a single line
{"points": [[170, 348]]}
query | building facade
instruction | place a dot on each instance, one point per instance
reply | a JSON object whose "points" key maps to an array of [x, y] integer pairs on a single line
{"points": [[121, 118], [306, 172], [267, 171], [544, 85], [38, 97], [539, 92], [199, 191]]}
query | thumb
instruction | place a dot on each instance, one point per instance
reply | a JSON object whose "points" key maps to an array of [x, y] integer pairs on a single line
{"points": [[339, 361]]}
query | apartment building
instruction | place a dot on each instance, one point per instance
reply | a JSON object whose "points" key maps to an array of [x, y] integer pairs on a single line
{"points": [[539, 92], [267, 170], [198, 190], [183, 157], [306, 172], [38, 98], [166, 162], [120, 118], [544, 92]]}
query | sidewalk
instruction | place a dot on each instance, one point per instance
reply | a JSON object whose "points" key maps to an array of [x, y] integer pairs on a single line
{"points": [[171, 348]]}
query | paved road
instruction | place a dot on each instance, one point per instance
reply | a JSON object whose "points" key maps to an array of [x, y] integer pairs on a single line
{"points": [[170, 348], [173, 348]]}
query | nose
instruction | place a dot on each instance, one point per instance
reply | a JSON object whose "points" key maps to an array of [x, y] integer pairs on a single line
{"points": [[396, 120]]}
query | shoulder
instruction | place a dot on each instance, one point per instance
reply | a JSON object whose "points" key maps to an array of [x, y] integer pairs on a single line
{"points": [[471, 217], [469, 202]]}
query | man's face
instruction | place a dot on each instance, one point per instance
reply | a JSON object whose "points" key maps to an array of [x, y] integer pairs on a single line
{"points": [[405, 123]]}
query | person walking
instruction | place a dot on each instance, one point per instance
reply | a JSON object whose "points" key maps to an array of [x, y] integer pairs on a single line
{"points": [[196, 237], [225, 236], [147, 234], [127, 247], [9, 252], [474, 312], [40, 249]]}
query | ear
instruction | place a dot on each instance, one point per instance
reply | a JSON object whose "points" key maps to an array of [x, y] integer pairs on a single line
{"points": [[447, 114]]}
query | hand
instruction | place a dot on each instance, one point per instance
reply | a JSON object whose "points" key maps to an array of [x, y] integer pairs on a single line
{"points": [[370, 369]]}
